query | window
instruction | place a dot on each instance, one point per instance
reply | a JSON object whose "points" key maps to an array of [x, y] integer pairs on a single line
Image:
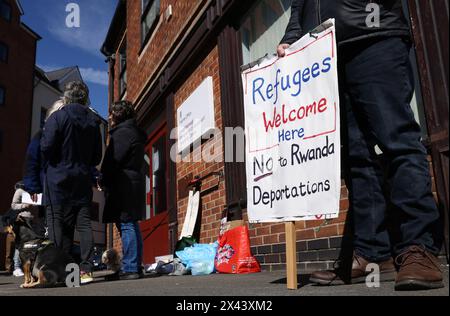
{"points": [[123, 68], [2, 96], [5, 10], [3, 52], [156, 175], [149, 18], [263, 28], [159, 172]]}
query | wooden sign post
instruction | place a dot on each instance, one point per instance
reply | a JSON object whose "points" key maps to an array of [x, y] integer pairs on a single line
{"points": [[291, 256]]}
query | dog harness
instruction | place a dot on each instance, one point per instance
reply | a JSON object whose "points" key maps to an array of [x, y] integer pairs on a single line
{"points": [[37, 245], [34, 247]]}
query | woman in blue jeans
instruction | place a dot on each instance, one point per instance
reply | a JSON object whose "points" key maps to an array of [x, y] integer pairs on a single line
{"points": [[124, 183]]}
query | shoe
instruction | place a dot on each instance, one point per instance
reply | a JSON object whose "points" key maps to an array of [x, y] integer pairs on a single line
{"points": [[358, 273], [129, 276], [418, 270], [18, 273], [86, 278]]}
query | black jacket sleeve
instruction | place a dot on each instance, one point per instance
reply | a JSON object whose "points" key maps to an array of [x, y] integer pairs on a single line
{"points": [[294, 28], [33, 166]]}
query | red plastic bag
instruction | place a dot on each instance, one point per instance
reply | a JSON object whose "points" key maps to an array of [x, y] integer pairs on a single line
{"points": [[234, 255]]}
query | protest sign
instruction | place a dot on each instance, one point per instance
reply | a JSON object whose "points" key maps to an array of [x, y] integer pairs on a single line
{"points": [[293, 132]]}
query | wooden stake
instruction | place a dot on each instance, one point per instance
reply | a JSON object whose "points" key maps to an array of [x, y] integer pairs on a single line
{"points": [[291, 256]]}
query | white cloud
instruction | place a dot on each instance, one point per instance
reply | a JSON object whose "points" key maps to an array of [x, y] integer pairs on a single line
{"points": [[91, 75], [94, 23]]}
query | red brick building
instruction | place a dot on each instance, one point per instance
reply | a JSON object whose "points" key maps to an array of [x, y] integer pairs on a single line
{"points": [[161, 51], [17, 61]]}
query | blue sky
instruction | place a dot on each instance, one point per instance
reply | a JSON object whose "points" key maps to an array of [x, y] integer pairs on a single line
{"points": [[62, 46]]}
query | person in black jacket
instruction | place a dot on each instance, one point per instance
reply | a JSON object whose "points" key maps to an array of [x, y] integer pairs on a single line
{"points": [[376, 86], [34, 173], [124, 182], [71, 145]]}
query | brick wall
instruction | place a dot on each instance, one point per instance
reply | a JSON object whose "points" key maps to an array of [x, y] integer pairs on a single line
{"points": [[143, 65], [213, 203], [16, 76]]}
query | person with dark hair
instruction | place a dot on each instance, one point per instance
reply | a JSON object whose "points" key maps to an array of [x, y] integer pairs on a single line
{"points": [[71, 146], [377, 78], [124, 183]]}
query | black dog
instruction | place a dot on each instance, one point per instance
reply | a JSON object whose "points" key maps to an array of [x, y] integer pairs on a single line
{"points": [[44, 265]]}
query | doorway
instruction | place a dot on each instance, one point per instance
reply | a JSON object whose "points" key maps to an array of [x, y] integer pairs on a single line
{"points": [[155, 227]]}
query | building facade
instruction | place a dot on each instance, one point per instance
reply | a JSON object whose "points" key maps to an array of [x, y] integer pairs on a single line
{"points": [[161, 53], [17, 60]]}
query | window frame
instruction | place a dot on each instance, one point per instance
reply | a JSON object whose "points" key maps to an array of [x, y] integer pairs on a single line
{"points": [[123, 68], [3, 44], [4, 4], [144, 13]]}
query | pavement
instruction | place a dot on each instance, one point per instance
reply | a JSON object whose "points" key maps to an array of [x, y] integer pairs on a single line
{"points": [[265, 284]]}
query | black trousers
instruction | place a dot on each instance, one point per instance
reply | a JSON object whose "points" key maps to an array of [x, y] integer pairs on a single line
{"points": [[61, 223]]}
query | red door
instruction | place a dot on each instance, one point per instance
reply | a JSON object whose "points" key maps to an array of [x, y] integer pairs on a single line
{"points": [[155, 228]]}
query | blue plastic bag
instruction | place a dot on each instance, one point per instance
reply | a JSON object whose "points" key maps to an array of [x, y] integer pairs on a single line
{"points": [[199, 258]]}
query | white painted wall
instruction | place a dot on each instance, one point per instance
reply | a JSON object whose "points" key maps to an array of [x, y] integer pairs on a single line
{"points": [[44, 96]]}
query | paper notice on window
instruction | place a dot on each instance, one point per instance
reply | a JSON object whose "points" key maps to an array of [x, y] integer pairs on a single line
{"points": [[26, 199]]}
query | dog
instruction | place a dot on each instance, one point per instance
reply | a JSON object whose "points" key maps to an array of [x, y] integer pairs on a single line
{"points": [[112, 260], [44, 264]]}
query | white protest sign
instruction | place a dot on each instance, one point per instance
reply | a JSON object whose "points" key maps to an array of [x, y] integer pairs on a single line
{"points": [[293, 132]]}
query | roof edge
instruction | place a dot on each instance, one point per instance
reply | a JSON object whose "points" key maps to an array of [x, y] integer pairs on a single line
{"points": [[116, 24]]}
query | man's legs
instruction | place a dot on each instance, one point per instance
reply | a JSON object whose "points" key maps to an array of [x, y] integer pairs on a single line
{"points": [[56, 216], [9, 255], [380, 82], [84, 228], [61, 226], [365, 183]]}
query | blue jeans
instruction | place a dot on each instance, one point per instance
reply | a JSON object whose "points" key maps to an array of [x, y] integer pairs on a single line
{"points": [[132, 247], [17, 262], [378, 81]]}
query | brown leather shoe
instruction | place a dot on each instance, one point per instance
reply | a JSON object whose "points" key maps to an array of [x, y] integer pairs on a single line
{"points": [[358, 273], [419, 270]]}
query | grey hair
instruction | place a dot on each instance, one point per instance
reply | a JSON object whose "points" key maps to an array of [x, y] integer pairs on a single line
{"points": [[76, 92], [58, 105]]}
